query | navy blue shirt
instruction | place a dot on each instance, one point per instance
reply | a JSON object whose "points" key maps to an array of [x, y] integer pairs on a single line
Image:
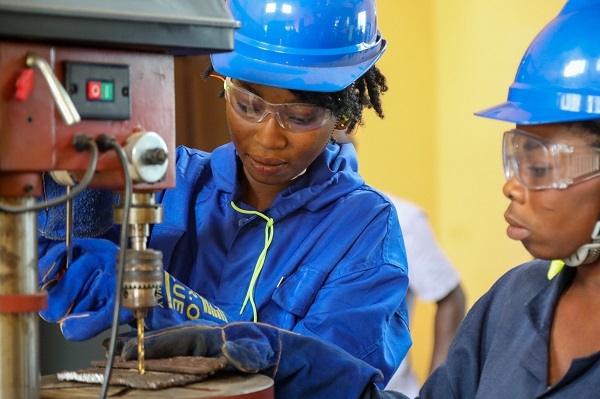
{"points": [[501, 348]]}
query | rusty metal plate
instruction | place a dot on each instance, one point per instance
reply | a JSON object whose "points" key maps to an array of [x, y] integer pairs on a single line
{"points": [[221, 385], [178, 364], [160, 373], [130, 378]]}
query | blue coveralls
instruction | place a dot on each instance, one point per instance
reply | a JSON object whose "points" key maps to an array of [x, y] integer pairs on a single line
{"points": [[336, 268]]}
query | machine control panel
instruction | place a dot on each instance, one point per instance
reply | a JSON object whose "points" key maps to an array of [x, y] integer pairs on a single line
{"points": [[99, 91]]}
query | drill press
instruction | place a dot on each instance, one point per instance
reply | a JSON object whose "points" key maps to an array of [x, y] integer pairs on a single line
{"points": [[102, 69]]}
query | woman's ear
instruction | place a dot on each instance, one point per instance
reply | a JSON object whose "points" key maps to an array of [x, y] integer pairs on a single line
{"points": [[342, 123], [340, 131]]}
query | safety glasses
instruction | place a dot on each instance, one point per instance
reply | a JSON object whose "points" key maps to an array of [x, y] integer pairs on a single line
{"points": [[542, 164], [295, 117]]}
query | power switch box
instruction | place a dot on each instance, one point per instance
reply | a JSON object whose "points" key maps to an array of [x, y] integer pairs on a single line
{"points": [[99, 91]]}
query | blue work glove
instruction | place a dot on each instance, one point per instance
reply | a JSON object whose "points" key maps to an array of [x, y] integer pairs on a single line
{"points": [[179, 304], [92, 212], [81, 298], [301, 366]]}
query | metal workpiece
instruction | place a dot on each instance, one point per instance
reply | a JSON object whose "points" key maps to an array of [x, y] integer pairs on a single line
{"points": [[162, 373], [219, 385], [19, 303]]}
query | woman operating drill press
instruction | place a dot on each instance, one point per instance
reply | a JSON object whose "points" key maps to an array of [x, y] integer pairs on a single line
{"points": [[277, 227], [534, 334]]}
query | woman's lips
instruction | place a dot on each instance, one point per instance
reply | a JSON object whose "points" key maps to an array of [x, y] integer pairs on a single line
{"points": [[517, 233], [514, 231], [266, 166]]}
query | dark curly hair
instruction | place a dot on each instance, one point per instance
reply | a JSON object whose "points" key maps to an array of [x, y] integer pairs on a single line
{"points": [[590, 126], [346, 104]]}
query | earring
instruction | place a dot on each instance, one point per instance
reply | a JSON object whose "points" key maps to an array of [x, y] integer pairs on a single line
{"points": [[342, 123]]}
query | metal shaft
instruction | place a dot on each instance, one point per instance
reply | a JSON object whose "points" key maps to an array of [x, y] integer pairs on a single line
{"points": [[19, 334]]}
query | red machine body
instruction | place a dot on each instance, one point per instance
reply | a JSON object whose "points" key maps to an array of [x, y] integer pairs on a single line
{"points": [[34, 138]]}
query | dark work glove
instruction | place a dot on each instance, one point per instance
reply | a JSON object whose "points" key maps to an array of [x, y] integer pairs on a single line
{"points": [[81, 298], [301, 366]]}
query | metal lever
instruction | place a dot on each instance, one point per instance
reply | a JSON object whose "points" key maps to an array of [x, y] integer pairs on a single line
{"points": [[69, 228], [66, 179], [61, 98]]}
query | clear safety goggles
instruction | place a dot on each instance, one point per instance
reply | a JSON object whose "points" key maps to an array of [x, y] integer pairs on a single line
{"points": [[295, 117], [542, 164]]}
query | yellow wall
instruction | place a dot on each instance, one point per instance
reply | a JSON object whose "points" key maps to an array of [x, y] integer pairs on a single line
{"points": [[446, 60]]}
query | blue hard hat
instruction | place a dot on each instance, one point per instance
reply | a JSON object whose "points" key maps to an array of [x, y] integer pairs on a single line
{"points": [[312, 45], [558, 79]]}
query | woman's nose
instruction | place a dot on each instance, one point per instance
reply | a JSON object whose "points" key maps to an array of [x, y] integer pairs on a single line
{"points": [[270, 134], [513, 190]]}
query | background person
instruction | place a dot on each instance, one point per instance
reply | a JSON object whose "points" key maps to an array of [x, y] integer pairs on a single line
{"points": [[431, 278]]}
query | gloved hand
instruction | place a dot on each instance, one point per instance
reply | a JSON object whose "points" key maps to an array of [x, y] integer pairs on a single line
{"points": [[81, 298], [301, 366], [92, 212], [178, 304]]}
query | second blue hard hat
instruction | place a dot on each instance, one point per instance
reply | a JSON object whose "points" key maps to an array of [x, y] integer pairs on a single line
{"points": [[313, 45], [558, 79]]}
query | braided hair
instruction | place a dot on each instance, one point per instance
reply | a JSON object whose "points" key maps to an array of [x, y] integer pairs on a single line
{"points": [[346, 104]]}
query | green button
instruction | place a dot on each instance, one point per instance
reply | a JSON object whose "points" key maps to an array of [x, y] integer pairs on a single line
{"points": [[107, 91]]}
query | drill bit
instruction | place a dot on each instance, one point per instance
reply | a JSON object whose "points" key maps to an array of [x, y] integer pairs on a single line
{"points": [[140, 342]]}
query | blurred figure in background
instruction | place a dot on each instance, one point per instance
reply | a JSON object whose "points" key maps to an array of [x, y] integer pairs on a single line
{"points": [[431, 278]]}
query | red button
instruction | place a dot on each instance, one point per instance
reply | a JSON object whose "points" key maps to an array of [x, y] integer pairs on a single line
{"points": [[94, 90], [24, 85]]}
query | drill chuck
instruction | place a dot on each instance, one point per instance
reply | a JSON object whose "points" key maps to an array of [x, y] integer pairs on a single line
{"points": [[142, 277]]}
